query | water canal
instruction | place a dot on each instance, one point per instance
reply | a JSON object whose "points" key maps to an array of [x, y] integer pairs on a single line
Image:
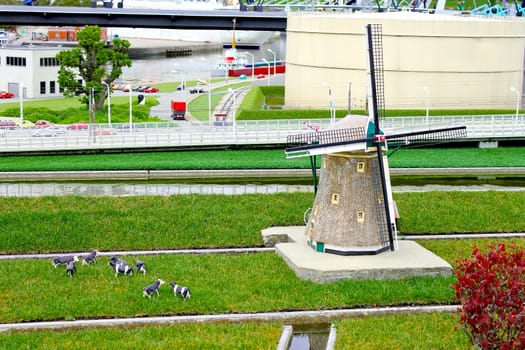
{"points": [[238, 187]]}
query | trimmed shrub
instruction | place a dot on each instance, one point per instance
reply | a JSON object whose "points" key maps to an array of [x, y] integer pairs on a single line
{"points": [[491, 290]]}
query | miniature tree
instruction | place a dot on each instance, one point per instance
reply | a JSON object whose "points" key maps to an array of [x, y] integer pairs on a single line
{"points": [[491, 290], [88, 69]]}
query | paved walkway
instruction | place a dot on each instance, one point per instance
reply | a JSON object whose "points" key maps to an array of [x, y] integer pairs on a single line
{"points": [[289, 317]]}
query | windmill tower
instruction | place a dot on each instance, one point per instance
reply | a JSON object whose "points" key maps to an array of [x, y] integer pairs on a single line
{"points": [[353, 209]]}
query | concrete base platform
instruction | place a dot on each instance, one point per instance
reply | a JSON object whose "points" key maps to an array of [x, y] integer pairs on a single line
{"points": [[410, 259]]}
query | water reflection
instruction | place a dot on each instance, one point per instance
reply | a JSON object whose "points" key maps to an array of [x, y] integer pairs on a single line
{"points": [[141, 189], [221, 186]]}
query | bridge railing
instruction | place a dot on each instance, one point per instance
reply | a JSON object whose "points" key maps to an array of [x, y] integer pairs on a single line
{"points": [[242, 132]]}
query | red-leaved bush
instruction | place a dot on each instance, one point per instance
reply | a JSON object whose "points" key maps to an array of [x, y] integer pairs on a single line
{"points": [[491, 291]]}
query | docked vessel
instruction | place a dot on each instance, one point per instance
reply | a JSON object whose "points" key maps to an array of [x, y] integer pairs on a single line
{"points": [[244, 39], [235, 64]]}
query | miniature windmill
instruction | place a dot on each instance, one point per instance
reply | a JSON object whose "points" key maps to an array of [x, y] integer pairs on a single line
{"points": [[353, 207]]}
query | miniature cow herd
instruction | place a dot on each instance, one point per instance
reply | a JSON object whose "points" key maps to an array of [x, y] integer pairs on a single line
{"points": [[120, 266]]}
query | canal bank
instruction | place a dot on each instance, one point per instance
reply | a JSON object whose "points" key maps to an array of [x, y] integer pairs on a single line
{"points": [[147, 175]]}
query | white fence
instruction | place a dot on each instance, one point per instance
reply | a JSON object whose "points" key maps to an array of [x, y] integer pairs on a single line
{"points": [[169, 134]]}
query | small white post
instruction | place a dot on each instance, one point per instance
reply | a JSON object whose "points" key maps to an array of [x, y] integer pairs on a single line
{"points": [[268, 77], [274, 62], [427, 93], [253, 64], [109, 102], [21, 97], [513, 89], [130, 110]]}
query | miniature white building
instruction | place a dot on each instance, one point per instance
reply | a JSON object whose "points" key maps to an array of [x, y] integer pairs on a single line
{"points": [[35, 67]]}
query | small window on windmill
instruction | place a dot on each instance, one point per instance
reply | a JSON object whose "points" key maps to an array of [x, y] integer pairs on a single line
{"points": [[360, 167], [324, 163], [360, 216], [335, 198]]}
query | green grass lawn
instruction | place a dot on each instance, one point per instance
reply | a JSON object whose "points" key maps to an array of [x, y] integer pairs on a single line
{"points": [[258, 159], [157, 337], [227, 283], [71, 223], [423, 331]]}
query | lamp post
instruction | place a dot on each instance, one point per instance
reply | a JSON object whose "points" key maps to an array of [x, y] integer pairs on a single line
{"points": [[130, 110], [332, 106], [21, 97], [109, 102], [274, 61], [182, 77], [513, 89], [231, 91], [209, 101], [268, 77], [253, 63], [427, 93]]}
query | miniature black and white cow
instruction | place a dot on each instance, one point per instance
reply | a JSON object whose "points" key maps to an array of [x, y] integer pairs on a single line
{"points": [[120, 266], [90, 258], [70, 268], [184, 292], [63, 260], [141, 266], [152, 288]]}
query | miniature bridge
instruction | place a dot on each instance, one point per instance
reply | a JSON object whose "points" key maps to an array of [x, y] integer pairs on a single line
{"points": [[258, 132]]}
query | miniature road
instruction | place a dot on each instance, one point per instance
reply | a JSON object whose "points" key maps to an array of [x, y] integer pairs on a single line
{"points": [[322, 316], [250, 249]]}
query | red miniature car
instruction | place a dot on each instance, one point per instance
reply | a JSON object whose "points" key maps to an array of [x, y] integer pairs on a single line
{"points": [[151, 89], [5, 94], [77, 126], [42, 124]]}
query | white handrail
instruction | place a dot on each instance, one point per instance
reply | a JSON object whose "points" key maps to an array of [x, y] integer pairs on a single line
{"points": [[245, 132]]}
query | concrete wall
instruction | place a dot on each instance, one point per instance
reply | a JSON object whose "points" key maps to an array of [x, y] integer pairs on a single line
{"points": [[464, 62], [31, 74]]}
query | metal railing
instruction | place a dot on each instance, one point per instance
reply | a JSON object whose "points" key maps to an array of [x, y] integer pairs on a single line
{"points": [[257, 132]]}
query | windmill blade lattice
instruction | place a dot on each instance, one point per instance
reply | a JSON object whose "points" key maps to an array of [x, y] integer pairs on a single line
{"points": [[428, 137]]}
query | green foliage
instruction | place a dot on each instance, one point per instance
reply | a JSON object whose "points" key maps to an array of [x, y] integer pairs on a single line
{"points": [[52, 223], [285, 114], [274, 90], [119, 113], [461, 212], [248, 159], [254, 99], [463, 157], [92, 63], [491, 291]]}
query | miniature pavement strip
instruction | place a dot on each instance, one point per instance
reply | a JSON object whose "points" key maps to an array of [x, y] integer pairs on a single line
{"points": [[245, 250], [312, 316]]}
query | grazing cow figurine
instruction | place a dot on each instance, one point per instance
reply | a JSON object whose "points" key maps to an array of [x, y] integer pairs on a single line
{"points": [[184, 292], [120, 266], [152, 288], [141, 266], [70, 268], [63, 260], [90, 258]]}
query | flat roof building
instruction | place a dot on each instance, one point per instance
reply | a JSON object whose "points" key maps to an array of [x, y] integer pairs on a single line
{"points": [[35, 67]]}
